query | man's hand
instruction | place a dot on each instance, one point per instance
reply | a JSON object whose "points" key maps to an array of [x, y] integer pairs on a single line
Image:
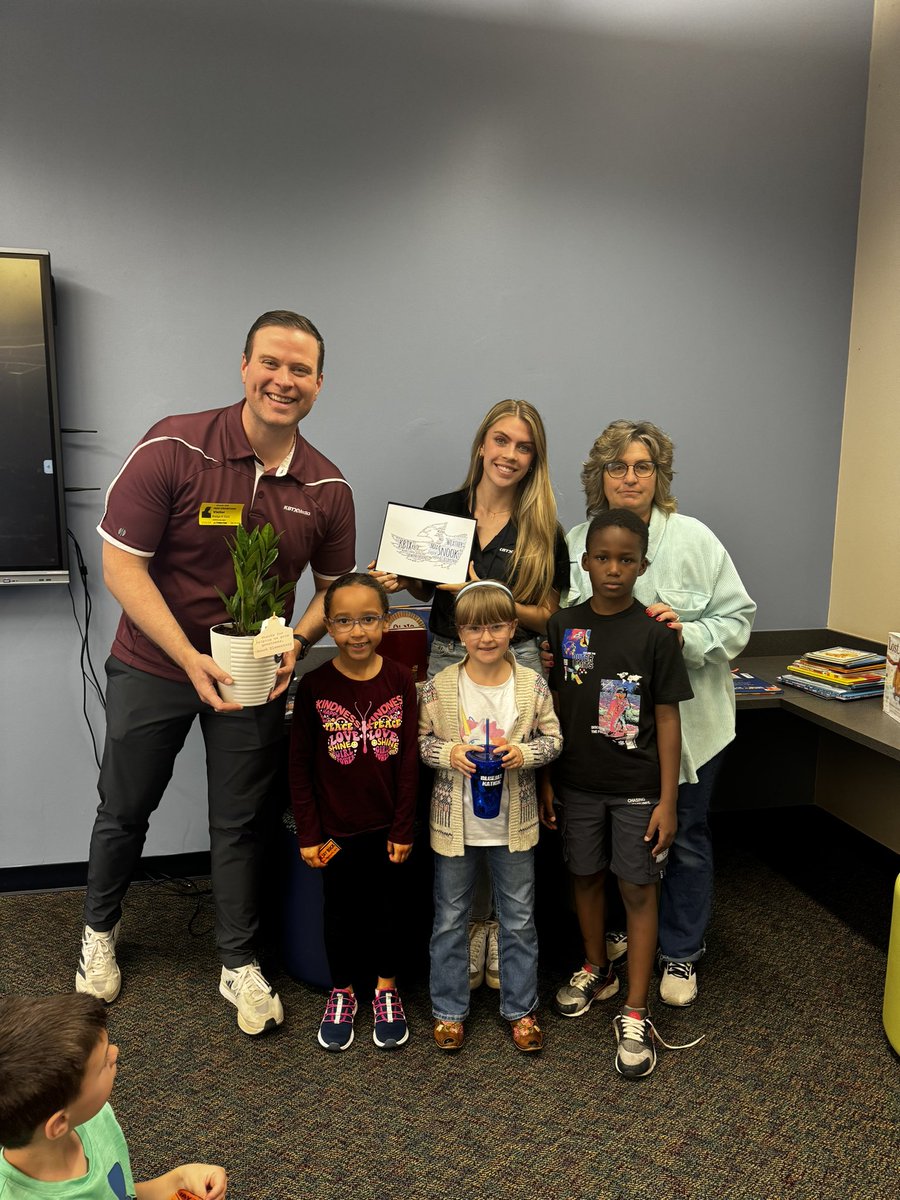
{"points": [[284, 673], [203, 673], [398, 853]]}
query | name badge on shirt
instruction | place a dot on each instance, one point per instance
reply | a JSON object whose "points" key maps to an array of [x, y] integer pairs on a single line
{"points": [[221, 514]]}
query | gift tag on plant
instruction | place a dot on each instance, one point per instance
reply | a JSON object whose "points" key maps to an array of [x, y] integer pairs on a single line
{"points": [[274, 638]]}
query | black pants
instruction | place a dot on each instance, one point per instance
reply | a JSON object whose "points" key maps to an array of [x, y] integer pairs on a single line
{"points": [[147, 722], [366, 908]]}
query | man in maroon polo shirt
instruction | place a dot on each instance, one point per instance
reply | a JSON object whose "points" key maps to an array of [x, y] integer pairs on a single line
{"points": [[167, 516]]}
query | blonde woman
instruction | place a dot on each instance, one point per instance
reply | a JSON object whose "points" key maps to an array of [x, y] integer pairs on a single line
{"points": [[518, 538]]}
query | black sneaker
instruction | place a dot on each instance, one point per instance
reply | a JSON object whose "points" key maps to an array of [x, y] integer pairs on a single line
{"points": [[336, 1027], [391, 1029], [575, 997]]}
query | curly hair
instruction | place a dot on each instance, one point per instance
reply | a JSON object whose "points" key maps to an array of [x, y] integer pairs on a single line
{"points": [[611, 445], [534, 508]]}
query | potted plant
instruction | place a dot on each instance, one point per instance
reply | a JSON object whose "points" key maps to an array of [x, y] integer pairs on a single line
{"points": [[257, 596]]}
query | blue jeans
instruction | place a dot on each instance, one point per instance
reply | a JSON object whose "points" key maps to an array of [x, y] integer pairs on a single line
{"points": [[512, 875], [685, 903]]}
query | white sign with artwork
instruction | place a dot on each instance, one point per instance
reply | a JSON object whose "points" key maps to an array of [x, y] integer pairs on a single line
{"points": [[425, 545]]}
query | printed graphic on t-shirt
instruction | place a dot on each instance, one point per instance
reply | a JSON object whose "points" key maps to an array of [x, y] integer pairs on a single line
{"points": [[347, 732], [619, 709], [472, 730], [577, 659], [116, 1180]]}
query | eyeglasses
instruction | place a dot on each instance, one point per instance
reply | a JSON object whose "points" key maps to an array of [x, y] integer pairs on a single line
{"points": [[477, 631], [345, 624], [618, 470]]}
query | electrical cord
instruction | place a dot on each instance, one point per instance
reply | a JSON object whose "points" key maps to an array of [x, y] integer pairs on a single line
{"points": [[88, 673]]}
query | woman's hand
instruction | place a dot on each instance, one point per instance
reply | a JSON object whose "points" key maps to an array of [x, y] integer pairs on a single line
{"points": [[546, 810], [458, 587], [458, 760], [390, 583], [662, 612]]}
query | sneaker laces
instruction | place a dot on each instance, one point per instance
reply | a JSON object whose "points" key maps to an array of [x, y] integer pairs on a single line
{"points": [[583, 978], [98, 951], [250, 982], [493, 947], [389, 1006], [640, 1029], [683, 969], [340, 1009]]}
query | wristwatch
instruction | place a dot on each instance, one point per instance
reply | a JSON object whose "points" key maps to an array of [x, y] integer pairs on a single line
{"points": [[305, 645]]}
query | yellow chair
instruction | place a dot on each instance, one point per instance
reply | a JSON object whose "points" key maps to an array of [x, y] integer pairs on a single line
{"points": [[891, 1010]]}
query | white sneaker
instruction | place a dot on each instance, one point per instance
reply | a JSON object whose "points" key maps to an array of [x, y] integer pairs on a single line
{"points": [[492, 965], [98, 972], [477, 953], [678, 984], [259, 1008]]}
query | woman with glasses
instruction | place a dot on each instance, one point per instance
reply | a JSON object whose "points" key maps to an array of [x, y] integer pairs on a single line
{"points": [[692, 584]]}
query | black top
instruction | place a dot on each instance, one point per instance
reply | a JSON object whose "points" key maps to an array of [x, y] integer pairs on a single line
{"points": [[491, 562], [610, 673]]}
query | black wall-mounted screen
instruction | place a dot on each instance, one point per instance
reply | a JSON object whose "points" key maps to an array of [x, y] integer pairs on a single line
{"points": [[32, 501]]}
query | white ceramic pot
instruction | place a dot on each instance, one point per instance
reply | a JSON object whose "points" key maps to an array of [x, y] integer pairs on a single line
{"points": [[253, 677]]}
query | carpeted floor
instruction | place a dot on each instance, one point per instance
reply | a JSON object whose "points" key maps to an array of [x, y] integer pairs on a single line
{"points": [[794, 1093]]}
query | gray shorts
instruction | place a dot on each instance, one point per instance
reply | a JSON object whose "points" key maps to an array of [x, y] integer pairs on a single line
{"points": [[590, 821]]}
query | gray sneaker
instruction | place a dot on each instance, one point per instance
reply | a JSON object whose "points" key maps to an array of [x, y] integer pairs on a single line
{"points": [[575, 997], [617, 946], [492, 962], [477, 953], [635, 1053], [98, 972]]}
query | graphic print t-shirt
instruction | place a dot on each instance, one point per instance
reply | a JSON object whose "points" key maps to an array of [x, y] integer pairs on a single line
{"points": [[354, 754], [609, 674], [477, 704], [109, 1168]]}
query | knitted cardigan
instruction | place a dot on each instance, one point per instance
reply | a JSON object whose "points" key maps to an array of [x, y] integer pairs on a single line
{"points": [[536, 732]]}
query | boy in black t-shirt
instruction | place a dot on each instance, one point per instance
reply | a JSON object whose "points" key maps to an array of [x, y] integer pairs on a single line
{"points": [[617, 681]]}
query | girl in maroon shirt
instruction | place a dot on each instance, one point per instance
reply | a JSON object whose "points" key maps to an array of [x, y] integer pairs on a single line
{"points": [[354, 774]]}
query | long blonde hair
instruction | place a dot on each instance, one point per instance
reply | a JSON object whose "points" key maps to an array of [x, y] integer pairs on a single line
{"points": [[531, 571], [611, 445]]}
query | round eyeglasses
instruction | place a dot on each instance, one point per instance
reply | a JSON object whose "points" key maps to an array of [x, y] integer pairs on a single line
{"points": [[477, 631], [618, 470], [345, 624]]}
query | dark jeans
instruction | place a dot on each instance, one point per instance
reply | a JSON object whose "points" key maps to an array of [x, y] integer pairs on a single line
{"points": [[685, 903], [366, 908], [147, 722]]}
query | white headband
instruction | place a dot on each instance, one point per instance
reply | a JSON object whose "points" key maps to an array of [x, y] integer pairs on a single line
{"points": [[475, 583]]}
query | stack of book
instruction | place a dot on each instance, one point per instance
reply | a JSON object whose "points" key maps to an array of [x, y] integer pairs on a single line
{"points": [[838, 673], [746, 684]]}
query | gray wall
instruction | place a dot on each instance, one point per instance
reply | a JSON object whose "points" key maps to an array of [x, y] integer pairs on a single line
{"points": [[655, 220]]}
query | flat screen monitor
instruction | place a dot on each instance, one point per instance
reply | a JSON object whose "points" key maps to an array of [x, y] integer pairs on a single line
{"points": [[33, 545]]}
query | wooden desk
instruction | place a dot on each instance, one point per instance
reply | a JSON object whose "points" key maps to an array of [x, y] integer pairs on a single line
{"points": [[843, 756]]}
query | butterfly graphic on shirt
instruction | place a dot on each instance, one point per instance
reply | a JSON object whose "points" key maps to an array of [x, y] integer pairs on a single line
{"points": [[346, 732]]}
